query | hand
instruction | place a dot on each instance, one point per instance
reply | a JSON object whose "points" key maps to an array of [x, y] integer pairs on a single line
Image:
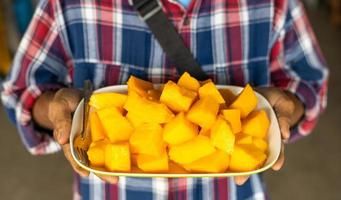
{"points": [[59, 107], [288, 110]]}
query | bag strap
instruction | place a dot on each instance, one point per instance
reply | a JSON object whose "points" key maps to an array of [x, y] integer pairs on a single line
{"points": [[170, 41]]}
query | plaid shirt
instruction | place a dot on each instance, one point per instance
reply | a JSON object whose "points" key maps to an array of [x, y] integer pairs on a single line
{"points": [[264, 43]]}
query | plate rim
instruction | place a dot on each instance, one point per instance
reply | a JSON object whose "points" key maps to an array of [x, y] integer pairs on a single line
{"points": [[118, 88]]}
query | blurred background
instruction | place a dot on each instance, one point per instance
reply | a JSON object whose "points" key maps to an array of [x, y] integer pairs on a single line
{"points": [[313, 166]]}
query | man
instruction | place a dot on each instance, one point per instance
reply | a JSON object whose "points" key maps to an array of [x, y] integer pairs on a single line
{"points": [[268, 44]]}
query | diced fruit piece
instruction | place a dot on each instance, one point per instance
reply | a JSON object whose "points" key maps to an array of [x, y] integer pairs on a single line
{"points": [[96, 153], [205, 81], [256, 124], [176, 168], [179, 130], [153, 164], [246, 158], [205, 132], [177, 98], [104, 100], [227, 95], [139, 86], [135, 120], [96, 128], [246, 101], [146, 110], [243, 139], [147, 139], [154, 95], [222, 136], [203, 112], [216, 162], [191, 150], [188, 82], [232, 116], [117, 127], [117, 157], [260, 144], [210, 90]]}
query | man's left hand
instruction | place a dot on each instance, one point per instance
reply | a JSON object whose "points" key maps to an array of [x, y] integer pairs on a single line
{"points": [[289, 111]]}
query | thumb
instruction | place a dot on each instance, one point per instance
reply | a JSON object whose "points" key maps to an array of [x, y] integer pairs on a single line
{"points": [[64, 103], [60, 116], [284, 125]]}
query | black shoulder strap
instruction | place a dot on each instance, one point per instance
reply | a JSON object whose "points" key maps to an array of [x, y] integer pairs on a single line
{"points": [[170, 41]]}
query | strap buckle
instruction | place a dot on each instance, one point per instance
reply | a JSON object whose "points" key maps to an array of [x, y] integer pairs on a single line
{"points": [[146, 8]]}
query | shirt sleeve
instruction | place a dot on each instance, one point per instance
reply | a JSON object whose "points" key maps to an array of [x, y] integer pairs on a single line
{"points": [[297, 64], [40, 64]]}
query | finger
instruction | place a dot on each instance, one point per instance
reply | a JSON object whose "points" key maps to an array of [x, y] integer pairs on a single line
{"points": [[280, 161], [109, 179], [60, 109], [284, 125], [60, 116], [75, 166], [70, 96], [240, 180]]}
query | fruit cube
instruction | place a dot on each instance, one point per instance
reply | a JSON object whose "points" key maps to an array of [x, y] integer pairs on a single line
{"points": [[175, 168], [147, 139], [260, 144], [135, 120], [216, 162], [205, 81], [177, 98], [188, 82], [117, 157], [179, 130], [246, 158], [203, 112], [146, 110], [96, 129], [256, 124], [154, 95], [227, 95], [246, 101], [149, 163], [222, 136], [192, 150], [243, 139], [104, 100], [116, 126], [232, 116], [139, 86], [210, 90], [96, 153]]}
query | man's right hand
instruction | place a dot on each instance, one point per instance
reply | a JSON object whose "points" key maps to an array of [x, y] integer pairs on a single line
{"points": [[54, 111]]}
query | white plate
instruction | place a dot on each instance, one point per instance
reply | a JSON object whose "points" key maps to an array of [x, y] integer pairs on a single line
{"points": [[274, 139]]}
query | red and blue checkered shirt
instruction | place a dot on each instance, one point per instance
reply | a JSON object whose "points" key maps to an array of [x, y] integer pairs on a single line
{"points": [[261, 42]]}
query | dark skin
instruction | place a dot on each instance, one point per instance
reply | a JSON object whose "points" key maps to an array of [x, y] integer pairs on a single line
{"points": [[53, 110]]}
